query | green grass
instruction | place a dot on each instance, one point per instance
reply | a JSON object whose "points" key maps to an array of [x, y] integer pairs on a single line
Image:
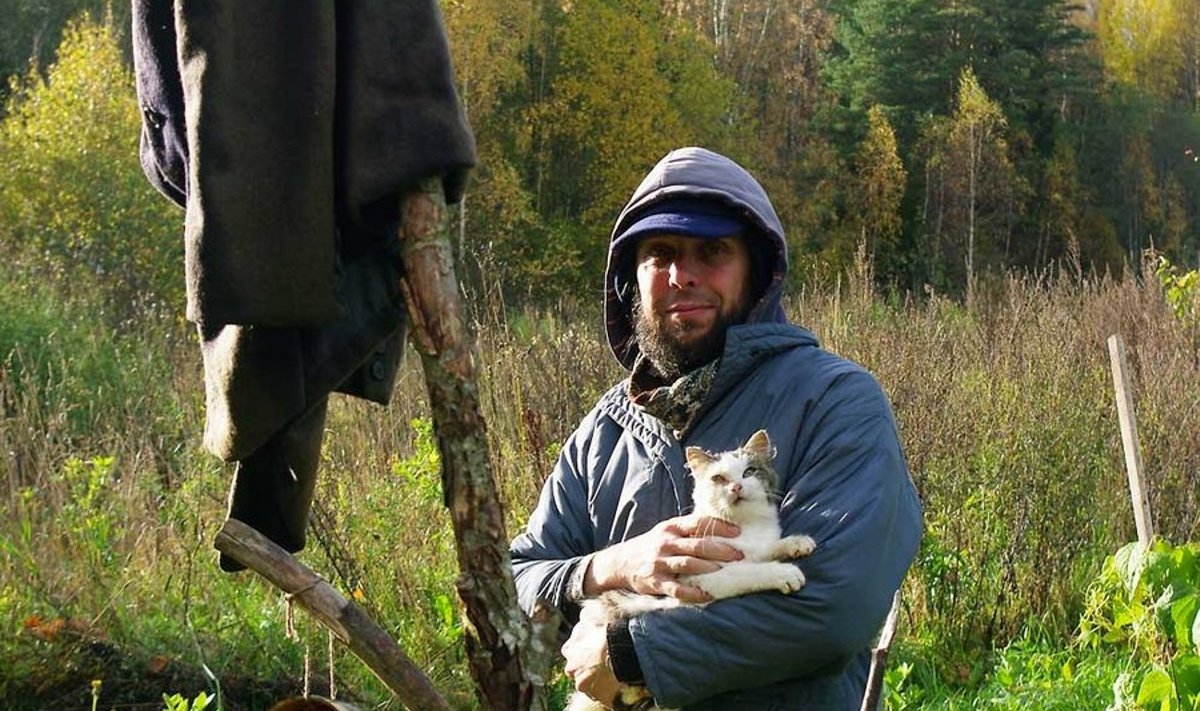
{"points": [[1028, 673]]}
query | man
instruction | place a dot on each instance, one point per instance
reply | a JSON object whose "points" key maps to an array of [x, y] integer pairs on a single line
{"points": [[692, 306]]}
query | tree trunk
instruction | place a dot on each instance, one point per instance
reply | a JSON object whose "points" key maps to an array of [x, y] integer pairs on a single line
{"points": [[497, 633]]}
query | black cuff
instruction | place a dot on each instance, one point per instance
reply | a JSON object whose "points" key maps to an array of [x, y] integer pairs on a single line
{"points": [[622, 655]]}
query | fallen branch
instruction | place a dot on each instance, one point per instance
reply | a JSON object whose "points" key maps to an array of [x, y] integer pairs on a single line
{"points": [[366, 639]]}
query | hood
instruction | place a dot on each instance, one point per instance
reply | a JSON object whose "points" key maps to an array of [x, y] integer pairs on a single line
{"points": [[692, 173]]}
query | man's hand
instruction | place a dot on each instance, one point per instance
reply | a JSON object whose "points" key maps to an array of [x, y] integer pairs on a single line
{"points": [[586, 654], [652, 562]]}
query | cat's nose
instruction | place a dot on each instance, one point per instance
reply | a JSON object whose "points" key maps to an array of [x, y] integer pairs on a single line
{"points": [[735, 488]]}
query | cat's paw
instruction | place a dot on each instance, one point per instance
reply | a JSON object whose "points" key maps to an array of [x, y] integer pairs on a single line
{"points": [[795, 547], [789, 579]]}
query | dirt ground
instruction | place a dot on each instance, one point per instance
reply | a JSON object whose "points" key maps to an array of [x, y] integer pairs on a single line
{"points": [[56, 674]]}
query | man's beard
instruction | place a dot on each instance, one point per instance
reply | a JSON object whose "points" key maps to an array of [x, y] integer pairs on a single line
{"points": [[659, 339]]}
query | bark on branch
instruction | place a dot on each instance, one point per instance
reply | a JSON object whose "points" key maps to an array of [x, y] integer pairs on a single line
{"points": [[497, 632]]}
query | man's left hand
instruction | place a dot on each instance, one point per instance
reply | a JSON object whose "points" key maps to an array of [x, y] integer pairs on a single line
{"points": [[587, 664]]}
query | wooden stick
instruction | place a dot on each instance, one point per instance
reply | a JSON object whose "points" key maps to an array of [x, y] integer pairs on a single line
{"points": [[506, 653], [348, 621], [1129, 439], [879, 658]]}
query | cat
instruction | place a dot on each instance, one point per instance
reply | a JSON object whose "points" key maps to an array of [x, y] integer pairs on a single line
{"points": [[738, 486]]}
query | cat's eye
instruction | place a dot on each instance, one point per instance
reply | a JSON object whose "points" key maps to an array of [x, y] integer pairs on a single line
{"points": [[752, 471], [718, 479]]}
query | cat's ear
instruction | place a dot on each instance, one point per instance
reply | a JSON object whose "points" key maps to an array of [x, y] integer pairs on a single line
{"points": [[759, 445], [697, 457]]}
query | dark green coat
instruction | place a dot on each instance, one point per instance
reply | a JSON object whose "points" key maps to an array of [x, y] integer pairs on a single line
{"points": [[288, 130]]}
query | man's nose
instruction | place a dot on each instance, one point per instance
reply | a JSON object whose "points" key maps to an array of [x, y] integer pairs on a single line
{"points": [[683, 273]]}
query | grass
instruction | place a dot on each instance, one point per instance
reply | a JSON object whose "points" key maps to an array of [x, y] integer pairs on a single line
{"points": [[1005, 408]]}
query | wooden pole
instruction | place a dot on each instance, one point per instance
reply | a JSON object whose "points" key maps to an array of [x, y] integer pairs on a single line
{"points": [[504, 651], [1129, 439], [879, 657], [366, 639]]}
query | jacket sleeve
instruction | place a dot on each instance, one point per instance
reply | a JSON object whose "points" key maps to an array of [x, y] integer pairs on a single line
{"points": [[848, 487], [558, 536]]}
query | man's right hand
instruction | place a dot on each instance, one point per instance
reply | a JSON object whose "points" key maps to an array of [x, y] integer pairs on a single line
{"points": [[652, 562]]}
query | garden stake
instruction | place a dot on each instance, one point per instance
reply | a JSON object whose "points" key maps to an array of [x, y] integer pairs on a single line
{"points": [[1129, 439], [879, 658]]}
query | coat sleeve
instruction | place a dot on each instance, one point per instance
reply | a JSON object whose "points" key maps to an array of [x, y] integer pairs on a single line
{"points": [[848, 487], [558, 536]]}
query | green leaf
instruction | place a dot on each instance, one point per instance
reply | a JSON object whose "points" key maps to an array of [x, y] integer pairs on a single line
{"points": [[1128, 561], [1183, 617], [1157, 691], [1196, 634], [1186, 670], [1158, 571]]}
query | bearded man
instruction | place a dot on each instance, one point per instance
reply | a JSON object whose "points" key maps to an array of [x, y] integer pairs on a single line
{"points": [[693, 311]]}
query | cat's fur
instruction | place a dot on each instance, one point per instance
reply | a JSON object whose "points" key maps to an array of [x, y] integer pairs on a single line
{"points": [[737, 486]]}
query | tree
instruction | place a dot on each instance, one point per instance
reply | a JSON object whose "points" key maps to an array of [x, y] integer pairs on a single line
{"points": [[496, 222], [970, 186], [876, 192], [1146, 44], [626, 84], [32, 30], [773, 51], [906, 56], [75, 203], [1058, 209]]}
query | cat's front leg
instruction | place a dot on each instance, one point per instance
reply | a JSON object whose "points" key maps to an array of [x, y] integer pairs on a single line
{"points": [[747, 577], [792, 547]]}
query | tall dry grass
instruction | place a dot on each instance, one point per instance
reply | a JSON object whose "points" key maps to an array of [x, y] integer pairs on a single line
{"points": [[1005, 408]]}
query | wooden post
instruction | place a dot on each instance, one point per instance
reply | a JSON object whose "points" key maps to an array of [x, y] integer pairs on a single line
{"points": [[879, 657], [348, 621], [504, 652], [1129, 439]]}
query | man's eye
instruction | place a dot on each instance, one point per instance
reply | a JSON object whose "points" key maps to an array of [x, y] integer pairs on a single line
{"points": [[715, 249], [657, 255]]}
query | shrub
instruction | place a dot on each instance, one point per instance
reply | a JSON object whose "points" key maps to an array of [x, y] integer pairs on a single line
{"points": [[75, 206]]}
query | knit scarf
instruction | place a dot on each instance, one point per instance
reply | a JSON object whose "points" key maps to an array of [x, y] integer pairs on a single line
{"points": [[675, 403]]}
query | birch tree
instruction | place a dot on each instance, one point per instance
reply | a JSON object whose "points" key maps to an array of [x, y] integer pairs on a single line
{"points": [[877, 190], [970, 186]]}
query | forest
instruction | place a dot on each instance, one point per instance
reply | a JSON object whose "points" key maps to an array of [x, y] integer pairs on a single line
{"points": [[976, 195], [954, 139]]}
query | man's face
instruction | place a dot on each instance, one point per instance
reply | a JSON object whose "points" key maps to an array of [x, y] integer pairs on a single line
{"points": [[690, 290]]}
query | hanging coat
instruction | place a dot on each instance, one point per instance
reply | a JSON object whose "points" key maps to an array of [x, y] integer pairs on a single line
{"points": [[289, 130]]}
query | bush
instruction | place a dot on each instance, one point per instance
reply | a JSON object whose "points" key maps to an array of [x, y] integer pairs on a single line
{"points": [[75, 206]]}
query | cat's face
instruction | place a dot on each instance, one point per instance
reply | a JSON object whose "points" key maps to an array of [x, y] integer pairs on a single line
{"points": [[734, 484]]}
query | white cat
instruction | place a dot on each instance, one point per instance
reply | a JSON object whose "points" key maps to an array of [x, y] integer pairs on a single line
{"points": [[737, 486]]}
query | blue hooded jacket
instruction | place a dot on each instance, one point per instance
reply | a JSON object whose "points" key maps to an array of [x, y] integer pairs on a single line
{"points": [[843, 481]]}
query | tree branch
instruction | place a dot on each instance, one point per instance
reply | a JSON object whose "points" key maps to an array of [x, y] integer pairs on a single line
{"points": [[498, 632], [348, 621]]}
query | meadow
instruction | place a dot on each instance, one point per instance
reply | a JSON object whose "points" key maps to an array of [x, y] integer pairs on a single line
{"points": [[1006, 410]]}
